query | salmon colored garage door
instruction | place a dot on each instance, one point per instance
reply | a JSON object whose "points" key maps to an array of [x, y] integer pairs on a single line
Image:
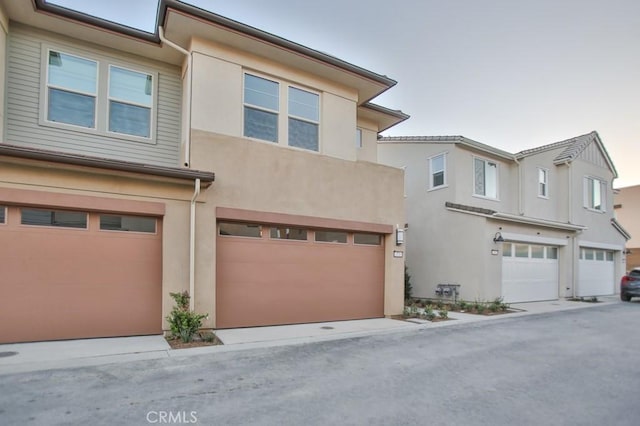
{"points": [[269, 275], [74, 274]]}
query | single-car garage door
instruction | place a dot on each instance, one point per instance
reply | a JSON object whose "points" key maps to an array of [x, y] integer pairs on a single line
{"points": [[269, 275], [75, 274], [529, 272], [597, 273]]}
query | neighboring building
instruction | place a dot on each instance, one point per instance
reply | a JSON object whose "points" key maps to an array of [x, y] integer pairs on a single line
{"points": [[111, 137], [626, 203], [552, 206]]}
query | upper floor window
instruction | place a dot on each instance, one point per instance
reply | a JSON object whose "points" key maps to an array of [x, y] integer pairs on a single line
{"points": [[485, 178], [98, 96], [261, 107], [72, 89], [437, 171], [543, 179], [594, 194], [264, 99]]}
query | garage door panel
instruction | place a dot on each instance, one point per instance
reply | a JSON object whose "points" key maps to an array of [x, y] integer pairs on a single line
{"points": [[526, 279], [596, 278], [269, 282], [74, 283]]}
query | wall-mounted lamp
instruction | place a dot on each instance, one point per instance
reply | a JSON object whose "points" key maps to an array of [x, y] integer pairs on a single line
{"points": [[399, 236], [627, 251], [498, 238]]}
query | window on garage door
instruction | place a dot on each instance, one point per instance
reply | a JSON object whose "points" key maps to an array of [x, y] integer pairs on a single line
{"points": [[529, 251], [3, 214], [596, 255], [231, 229], [56, 218]]}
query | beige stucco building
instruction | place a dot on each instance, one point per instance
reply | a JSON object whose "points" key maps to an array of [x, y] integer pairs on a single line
{"points": [[535, 225], [627, 209], [209, 156]]}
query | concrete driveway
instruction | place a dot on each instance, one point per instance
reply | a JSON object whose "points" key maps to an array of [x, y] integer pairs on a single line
{"points": [[572, 367]]}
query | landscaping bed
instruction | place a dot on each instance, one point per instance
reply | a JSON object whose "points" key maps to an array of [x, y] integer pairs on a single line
{"points": [[202, 338], [439, 309]]}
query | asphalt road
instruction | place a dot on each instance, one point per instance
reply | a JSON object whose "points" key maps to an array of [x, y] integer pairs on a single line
{"points": [[578, 367]]}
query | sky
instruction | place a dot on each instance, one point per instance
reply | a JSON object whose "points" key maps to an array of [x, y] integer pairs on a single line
{"points": [[510, 74]]}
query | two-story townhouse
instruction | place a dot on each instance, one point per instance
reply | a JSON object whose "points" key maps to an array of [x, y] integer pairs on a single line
{"points": [[626, 202], [536, 225], [108, 202]]}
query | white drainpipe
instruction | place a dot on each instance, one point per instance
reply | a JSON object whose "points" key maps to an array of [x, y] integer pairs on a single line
{"points": [[187, 163], [192, 246], [189, 76]]}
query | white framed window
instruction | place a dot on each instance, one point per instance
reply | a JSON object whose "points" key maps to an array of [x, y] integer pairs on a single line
{"points": [[265, 100], [595, 194], [485, 178], [438, 171], [261, 108], [543, 183], [89, 93]]}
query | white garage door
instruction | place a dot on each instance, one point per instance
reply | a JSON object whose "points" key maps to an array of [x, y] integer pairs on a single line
{"points": [[529, 272], [596, 272]]}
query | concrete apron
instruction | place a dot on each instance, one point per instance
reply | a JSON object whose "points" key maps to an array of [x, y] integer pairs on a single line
{"points": [[22, 357]]}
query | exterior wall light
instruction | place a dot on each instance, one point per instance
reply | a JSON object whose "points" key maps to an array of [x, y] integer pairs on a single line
{"points": [[498, 238], [399, 236]]}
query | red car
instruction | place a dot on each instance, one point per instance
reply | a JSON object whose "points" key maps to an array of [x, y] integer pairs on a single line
{"points": [[630, 285]]}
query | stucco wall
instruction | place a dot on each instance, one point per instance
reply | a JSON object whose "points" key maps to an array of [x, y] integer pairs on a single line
{"points": [[262, 177]]}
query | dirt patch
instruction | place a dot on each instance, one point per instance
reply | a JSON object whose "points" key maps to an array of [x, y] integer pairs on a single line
{"points": [[203, 338]]}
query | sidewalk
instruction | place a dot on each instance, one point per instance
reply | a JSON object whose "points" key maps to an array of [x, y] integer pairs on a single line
{"points": [[23, 357]]}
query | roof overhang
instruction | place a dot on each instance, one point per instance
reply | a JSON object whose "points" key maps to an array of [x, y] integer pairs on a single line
{"points": [[206, 178], [618, 227], [508, 217], [385, 117]]}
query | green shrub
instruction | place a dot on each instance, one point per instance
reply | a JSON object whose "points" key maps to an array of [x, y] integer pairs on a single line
{"points": [[407, 284], [480, 307], [428, 313], [463, 305], [184, 323], [444, 314]]}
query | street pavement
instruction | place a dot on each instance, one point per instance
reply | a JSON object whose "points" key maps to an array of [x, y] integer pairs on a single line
{"points": [[568, 367]]}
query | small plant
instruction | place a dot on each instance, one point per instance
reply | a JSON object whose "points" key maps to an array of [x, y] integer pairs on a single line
{"points": [[463, 305], [428, 313], [439, 304], [480, 307], [407, 284], [411, 311], [184, 323], [444, 314]]}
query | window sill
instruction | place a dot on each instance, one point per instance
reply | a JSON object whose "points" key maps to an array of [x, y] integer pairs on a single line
{"points": [[482, 197], [589, 209], [95, 132], [435, 188], [543, 197]]}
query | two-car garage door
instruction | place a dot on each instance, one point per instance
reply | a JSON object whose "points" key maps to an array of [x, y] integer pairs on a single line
{"points": [[75, 274], [268, 275]]}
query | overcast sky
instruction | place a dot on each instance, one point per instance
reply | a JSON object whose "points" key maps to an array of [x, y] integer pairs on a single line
{"points": [[511, 74]]}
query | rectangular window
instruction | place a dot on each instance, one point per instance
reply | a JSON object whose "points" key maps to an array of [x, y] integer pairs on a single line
{"points": [[367, 239], [282, 233], [588, 254], [543, 176], [552, 252], [109, 222], [506, 249], [331, 236], [594, 194], [537, 252], [72, 88], [261, 108], [437, 169], [130, 102], [609, 256], [485, 178], [3, 214], [304, 115], [599, 255], [240, 230], [58, 218], [522, 250], [358, 138]]}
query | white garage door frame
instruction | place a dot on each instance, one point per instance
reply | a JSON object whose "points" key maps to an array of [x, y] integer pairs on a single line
{"points": [[530, 272], [596, 272]]}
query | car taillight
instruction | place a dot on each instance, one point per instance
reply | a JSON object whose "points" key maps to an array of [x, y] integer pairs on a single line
{"points": [[624, 281]]}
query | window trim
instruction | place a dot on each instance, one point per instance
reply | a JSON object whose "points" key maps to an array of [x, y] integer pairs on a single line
{"points": [[5, 212], [544, 184], [54, 210], [104, 64], [473, 171], [283, 115], [126, 231], [444, 171], [603, 193]]}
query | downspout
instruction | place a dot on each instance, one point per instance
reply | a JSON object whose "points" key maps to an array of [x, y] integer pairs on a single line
{"points": [[187, 163], [189, 76], [520, 209], [192, 246], [574, 246]]}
